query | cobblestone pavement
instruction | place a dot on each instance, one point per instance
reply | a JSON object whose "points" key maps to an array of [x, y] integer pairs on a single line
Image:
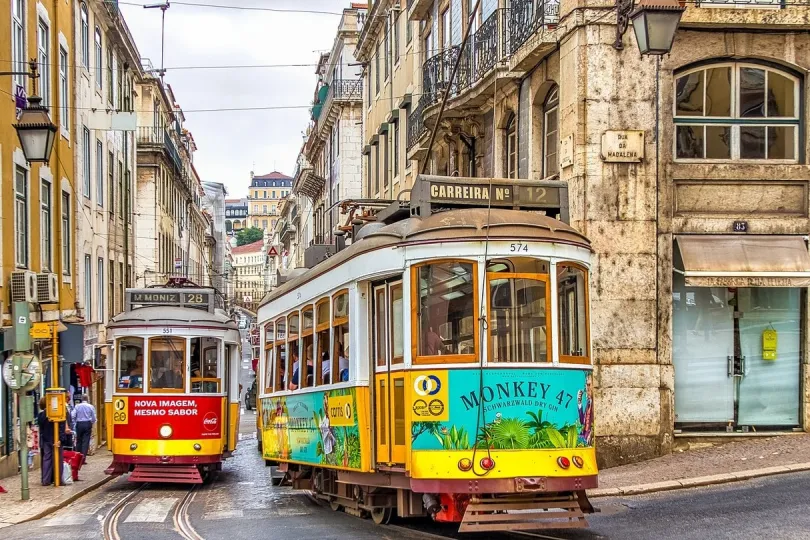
{"points": [[738, 456], [44, 499]]}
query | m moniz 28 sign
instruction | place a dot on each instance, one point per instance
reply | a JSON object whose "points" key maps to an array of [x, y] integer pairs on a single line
{"points": [[496, 194], [192, 298]]}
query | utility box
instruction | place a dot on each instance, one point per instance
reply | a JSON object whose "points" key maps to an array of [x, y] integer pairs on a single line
{"points": [[55, 404]]}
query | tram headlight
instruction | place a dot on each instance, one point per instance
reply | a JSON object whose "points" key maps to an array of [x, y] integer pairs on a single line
{"points": [[166, 431], [197, 447], [133, 446]]}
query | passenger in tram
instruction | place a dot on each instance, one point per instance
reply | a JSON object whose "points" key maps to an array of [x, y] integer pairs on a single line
{"points": [[172, 377], [294, 384], [326, 368], [136, 373], [296, 365], [343, 362], [433, 343]]}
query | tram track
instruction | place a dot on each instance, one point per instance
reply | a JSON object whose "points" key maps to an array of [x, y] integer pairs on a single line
{"points": [[181, 520]]}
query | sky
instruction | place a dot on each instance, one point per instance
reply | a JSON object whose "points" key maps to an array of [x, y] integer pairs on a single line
{"points": [[232, 144]]}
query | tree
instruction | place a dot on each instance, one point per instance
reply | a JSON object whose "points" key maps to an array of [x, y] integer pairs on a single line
{"points": [[249, 235]]}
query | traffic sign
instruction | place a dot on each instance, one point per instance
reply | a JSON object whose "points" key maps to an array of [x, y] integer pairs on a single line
{"points": [[273, 252]]}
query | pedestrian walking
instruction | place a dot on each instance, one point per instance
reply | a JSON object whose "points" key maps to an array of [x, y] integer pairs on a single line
{"points": [[46, 443], [84, 416]]}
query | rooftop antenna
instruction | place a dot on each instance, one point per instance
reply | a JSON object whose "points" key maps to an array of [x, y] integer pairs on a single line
{"points": [[163, 6]]}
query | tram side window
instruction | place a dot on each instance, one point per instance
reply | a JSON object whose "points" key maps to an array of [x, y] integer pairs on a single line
{"points": [[446, 310], [269, 338], [572, 296], [340, 329], [323, 364], [205, 365], [166, 364], [293, 364], [280, 347], [130, 363], [397, 338], [304, 377]]}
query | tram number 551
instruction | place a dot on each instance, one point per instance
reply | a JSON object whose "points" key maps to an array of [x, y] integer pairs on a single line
{"points": [[519, 247]]}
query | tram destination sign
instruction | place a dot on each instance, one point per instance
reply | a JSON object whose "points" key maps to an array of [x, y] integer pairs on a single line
{"points": [[434, 193], [191, 298]]}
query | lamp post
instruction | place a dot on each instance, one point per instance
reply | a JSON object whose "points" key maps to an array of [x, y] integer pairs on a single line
{"points": [[34, 128], [654, 24]]}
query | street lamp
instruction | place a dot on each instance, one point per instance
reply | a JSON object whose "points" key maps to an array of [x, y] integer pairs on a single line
{"points": [[654, 23], [34, 128], [36, 131]]}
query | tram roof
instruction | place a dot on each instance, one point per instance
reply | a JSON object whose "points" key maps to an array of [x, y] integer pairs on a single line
{"points": [[453, 225], [171, 315]]}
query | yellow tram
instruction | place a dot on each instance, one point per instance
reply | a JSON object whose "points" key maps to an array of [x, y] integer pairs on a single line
{"points": [[173, 402], [440, 365]]}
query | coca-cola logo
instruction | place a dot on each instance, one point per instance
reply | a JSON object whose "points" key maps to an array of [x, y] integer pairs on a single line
{"points": [[210, 421]]}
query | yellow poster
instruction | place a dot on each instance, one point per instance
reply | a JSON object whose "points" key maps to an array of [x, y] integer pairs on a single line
{"points": [[341, 412], [429, 397], [120, 410]]}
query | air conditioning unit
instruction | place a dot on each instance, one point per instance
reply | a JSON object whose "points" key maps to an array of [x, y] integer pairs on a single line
{"points": [[47, 288], [23, 286]]}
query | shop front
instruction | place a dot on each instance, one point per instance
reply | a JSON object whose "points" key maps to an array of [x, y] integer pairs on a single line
{"points": [[738, 331]]}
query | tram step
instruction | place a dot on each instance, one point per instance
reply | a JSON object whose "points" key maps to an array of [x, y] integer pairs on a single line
{"points": [[523, 514], [169, 474]]}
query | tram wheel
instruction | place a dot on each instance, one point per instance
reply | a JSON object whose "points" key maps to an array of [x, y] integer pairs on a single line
{"points": [[382, 516], [334, 505]]}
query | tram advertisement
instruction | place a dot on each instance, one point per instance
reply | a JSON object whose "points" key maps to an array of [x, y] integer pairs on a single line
{"points": [[191, 417], [314, 427], [513, 409]]}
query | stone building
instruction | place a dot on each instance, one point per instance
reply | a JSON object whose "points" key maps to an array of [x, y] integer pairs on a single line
{"points": [[170, 225], [329, 166], [688, 173], [264, 194], [249, 274]]}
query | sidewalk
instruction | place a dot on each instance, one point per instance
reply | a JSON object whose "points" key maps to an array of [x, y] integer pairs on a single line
{"points": [[728, 462], [47, 499]]}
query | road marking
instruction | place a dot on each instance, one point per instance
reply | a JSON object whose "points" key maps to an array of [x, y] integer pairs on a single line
{"points": [[67, 520], [224, 514], [152, 510]]}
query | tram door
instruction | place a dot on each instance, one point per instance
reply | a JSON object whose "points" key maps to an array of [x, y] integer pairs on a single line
{"points": [[389, 375]]}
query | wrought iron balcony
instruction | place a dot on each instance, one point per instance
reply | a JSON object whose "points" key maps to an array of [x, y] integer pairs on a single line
{"points": [[347, 89], [416, 124], [527, 17], [158, 137], [436, 73]]}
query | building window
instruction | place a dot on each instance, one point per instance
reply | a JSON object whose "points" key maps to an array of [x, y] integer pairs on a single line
{"points": [[111, 181], [100, 284], [120, 190], [511, 147], [377, 68], [264, 194], [737, 111], [66, 233], [21, 216], [19, 62], [111, 296], [264, 209], [85, 36], [396, 37], [86, 161], [88, 289], [273, 194], [377, 170], [63, 89], [99, 173], [110, 84], [551, 139], [44, 59], [395, 148], [255, 208], [46, 230], [99, 59], [387, 52], [122, 285], [446, 31]]}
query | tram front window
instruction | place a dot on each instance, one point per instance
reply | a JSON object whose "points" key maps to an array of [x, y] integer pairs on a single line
{"points": [[166, 364], [572, 286], [517, 319], [446, 309], [130, 363], [205, 365]]}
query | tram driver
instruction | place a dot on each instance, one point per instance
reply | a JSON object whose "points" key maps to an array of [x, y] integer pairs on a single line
{"points": [[136, 373], [173, 376]]}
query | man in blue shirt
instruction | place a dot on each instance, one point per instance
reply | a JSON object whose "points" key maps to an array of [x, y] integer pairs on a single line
{"points": [[84, 416]]}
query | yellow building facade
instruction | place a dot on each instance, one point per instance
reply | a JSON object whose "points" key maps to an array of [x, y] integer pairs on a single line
{"points": [[37, 201], [264, 198]]}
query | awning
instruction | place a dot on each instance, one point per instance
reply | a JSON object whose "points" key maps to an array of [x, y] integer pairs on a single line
{"points": [[744, 261]]}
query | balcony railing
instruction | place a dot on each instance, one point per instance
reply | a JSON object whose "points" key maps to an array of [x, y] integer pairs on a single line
{"points": [[157, 136], [349, 89], [416, 124], [527, 17]]}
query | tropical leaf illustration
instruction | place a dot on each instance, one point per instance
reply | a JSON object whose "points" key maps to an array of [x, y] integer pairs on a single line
{"points": [[510, 433]]}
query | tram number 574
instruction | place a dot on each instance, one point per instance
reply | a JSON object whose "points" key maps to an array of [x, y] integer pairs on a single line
{"points": [[519, 247]]}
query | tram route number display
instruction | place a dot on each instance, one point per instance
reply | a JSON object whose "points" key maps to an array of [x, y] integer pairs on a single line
{"points": [[192, 416]]}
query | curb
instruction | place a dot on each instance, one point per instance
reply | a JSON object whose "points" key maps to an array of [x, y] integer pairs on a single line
{"points": [[61, 504], [698, 481]]}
